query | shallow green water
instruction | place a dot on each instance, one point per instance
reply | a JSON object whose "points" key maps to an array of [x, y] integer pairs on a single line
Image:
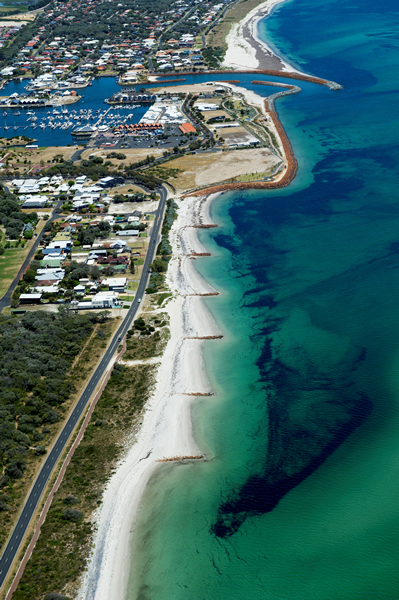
{"points": [[301, 497]]}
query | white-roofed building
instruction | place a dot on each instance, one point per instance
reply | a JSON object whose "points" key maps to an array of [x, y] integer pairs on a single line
{"points": [[34, 201], [105, 300], [129, 232], [115, 283], [59, 245], [49, 289], [30, 298]]}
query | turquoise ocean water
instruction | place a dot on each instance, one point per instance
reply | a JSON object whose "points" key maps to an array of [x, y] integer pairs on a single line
{"points": [[300, 500]]}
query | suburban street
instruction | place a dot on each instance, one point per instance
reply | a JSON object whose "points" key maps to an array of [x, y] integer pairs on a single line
{"points": [[6, 299], [36, 492]]}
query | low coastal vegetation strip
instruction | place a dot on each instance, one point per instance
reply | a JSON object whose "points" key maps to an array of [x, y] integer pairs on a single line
{"points": [[46, 358], [64, 545], [164, 252]]}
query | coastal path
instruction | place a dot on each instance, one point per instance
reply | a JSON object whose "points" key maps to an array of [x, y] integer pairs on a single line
{"points": [[36, 492]]}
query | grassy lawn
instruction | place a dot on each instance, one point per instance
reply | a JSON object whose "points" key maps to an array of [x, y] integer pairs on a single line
{"points": [[253, 176], [20, 9], [12, 259], [10, 263]]}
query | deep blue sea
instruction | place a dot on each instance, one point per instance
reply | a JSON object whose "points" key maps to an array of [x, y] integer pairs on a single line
{"points": [[300, 497]]}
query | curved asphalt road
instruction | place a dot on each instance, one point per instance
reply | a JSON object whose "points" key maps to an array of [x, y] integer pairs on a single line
{"points": [[32, 501]]}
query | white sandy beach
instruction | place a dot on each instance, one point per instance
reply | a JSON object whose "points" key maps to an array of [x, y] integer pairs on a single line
{"points": [[166, 430], [245, 50]]}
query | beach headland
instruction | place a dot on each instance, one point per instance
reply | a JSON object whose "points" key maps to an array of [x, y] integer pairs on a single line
{"points": [[244, 47], [290, 163]]}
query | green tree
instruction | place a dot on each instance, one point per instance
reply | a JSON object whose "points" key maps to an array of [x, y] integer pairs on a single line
{"points": [[159, 265], [30, 276]]}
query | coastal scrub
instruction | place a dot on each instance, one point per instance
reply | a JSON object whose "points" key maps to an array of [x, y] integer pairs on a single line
{"points": [[63, 547]]}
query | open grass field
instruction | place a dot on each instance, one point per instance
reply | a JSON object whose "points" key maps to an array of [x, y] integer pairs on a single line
{"points": [[10, 263], [47, 154], [133, 155], [24, 159], [198, 170], [7, 9], [211, 114]]}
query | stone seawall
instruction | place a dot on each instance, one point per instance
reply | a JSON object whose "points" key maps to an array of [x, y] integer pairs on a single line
{"points": [[291, 166], [291, 162], [284, 74]]}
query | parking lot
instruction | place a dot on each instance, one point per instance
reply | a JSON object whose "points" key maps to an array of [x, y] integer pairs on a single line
{"points": [[171, 132]]}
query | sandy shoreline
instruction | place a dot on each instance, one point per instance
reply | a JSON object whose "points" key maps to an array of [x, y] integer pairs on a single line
{"points": [[246, 50], [166, 430]]}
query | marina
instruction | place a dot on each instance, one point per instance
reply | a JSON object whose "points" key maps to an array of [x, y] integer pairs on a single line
{"points": [[57, 125], [94, 113]]}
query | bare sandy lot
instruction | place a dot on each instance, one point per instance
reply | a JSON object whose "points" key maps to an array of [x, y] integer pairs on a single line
{"points": [[210, 114], [47, 154], [217, 100], [127, 207], [198, 170], [196, 88]]}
